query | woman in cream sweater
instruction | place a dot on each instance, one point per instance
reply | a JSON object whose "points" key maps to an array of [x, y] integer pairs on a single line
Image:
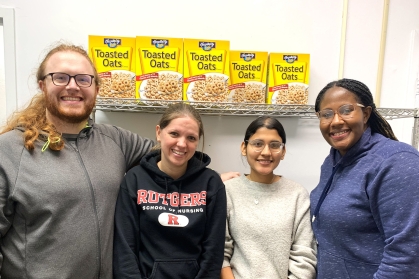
{"points": [[268, 233]]}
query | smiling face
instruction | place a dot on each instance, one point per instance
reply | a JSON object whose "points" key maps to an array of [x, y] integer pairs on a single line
{"points": [[68, 103], [340, 133], [262, 164], [178, 141]]}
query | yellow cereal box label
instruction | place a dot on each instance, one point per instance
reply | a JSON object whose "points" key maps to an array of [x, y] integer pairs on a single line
{"points": [[248, 75], [206, 71], [105, 59], [114, 60], [288, 78], [202, 62], [159, 71]]}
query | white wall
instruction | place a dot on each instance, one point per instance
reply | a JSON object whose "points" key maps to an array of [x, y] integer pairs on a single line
{"points": [[3, 114], [304, 26]]}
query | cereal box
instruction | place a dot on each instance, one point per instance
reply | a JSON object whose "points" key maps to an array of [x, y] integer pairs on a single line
{"points": [[159, 71], [114, 60], [288, 78], [206, 71], [248, 76]]}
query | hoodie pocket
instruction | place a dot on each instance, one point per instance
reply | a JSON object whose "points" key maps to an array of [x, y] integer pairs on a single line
{"points": [[330, 266], [360, 269], [180, 269]]}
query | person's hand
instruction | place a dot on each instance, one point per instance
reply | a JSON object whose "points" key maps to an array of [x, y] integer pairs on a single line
{"points": [[229, 175], [227, 273]]}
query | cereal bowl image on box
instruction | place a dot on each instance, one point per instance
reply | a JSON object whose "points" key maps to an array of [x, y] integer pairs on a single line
{"points": [[248, 92], [212, 87], [162, 85], [117, 84], [294, 93]]}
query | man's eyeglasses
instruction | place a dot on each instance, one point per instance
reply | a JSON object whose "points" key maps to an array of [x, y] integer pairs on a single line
{"points": [[345, 112], [259, 145], [63, 79]]}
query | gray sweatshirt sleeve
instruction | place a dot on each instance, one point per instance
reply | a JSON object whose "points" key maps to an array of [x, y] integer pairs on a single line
{"points": [[133, 146], [11, 148], [228, 248]]}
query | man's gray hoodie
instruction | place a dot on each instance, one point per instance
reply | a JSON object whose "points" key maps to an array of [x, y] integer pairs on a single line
{"points": [[57, 207]]}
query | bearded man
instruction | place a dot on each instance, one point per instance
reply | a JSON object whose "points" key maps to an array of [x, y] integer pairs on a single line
{"points": [[60, 175]]}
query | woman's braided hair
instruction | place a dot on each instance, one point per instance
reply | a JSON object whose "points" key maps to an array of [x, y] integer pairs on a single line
{"points": [[377, 123]]}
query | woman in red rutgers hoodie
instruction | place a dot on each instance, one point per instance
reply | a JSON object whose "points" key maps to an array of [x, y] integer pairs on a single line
{"points": [[171, 209]]}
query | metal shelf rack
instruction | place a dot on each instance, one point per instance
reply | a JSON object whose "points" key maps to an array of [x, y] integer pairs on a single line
{"points": [[244, 109]]}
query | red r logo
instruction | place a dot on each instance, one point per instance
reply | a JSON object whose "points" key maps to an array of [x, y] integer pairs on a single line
{"points": [[172, 220]]}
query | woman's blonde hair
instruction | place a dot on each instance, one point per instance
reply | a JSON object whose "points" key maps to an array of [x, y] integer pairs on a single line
{"points": [[32, 119]]}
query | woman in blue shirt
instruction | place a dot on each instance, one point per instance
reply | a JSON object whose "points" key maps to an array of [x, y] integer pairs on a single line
{"points": [[365, 209]]}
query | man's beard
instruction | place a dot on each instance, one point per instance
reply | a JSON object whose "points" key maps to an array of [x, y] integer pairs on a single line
{"points": [[67, 115]]}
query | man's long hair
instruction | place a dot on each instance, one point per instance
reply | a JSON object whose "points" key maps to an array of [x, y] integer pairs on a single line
{"points": [[33, 121]]}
